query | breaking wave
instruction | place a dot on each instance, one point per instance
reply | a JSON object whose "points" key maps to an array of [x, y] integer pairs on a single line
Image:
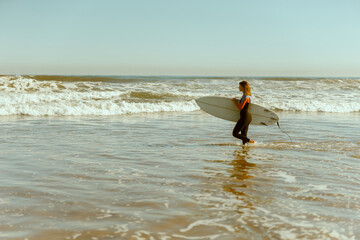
{"points": [[116, 95]]}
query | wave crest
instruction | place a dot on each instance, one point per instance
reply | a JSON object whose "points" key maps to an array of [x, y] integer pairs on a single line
{"points": [[96, 95]]}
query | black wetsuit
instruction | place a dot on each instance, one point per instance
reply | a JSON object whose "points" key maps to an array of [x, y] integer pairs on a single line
{"points": [[241, 127]]}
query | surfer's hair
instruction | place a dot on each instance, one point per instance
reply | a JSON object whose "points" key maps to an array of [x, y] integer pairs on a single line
{"points": [[246, 86]]}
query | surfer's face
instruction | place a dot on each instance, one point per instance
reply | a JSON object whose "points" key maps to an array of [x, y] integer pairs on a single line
{"points": [[241, 88]]}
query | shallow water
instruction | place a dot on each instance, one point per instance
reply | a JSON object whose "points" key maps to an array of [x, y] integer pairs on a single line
{"points": [[179, 176]]}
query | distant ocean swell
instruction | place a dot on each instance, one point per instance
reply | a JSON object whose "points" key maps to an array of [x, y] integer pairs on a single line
{"points": [[116, 95]]}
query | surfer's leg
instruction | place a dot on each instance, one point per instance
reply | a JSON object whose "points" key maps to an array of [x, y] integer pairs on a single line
{"points": [[238, 131], [244, 131]]}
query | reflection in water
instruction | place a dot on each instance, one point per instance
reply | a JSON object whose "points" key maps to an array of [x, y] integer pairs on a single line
{"points": [[241, 166], [240, 173]]}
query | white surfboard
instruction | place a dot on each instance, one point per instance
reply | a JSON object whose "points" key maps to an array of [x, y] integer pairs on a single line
{"points": [[224, 108]]}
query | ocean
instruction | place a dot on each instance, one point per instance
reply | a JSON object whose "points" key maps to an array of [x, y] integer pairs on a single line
{"points": [[133, 157]]}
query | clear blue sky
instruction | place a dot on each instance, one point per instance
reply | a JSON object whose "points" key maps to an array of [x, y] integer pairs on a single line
{"points": [[181, 37]]}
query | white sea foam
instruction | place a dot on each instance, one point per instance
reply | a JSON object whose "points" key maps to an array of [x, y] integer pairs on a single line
{"points": [[29, 96], [208, 222], [4, 201], [207, 237], [75, 104], [287, 178]]}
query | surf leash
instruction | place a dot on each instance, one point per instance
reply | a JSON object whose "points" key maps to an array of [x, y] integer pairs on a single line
{"points": [[284, 131]]}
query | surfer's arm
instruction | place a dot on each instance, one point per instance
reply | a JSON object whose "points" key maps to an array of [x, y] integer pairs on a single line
{"points": [[241, 105]]}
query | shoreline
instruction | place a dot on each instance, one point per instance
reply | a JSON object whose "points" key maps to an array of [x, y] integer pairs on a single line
{"points": [[157, 114]]}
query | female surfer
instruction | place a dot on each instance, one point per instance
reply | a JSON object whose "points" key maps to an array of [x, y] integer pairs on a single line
{"points": [[242, 126]]}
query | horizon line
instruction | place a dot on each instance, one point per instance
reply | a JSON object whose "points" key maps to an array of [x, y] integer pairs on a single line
{"points": [[178, 75]]}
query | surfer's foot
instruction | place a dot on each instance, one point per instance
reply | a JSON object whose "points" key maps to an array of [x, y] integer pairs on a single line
{"points": [[248, 141]]}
